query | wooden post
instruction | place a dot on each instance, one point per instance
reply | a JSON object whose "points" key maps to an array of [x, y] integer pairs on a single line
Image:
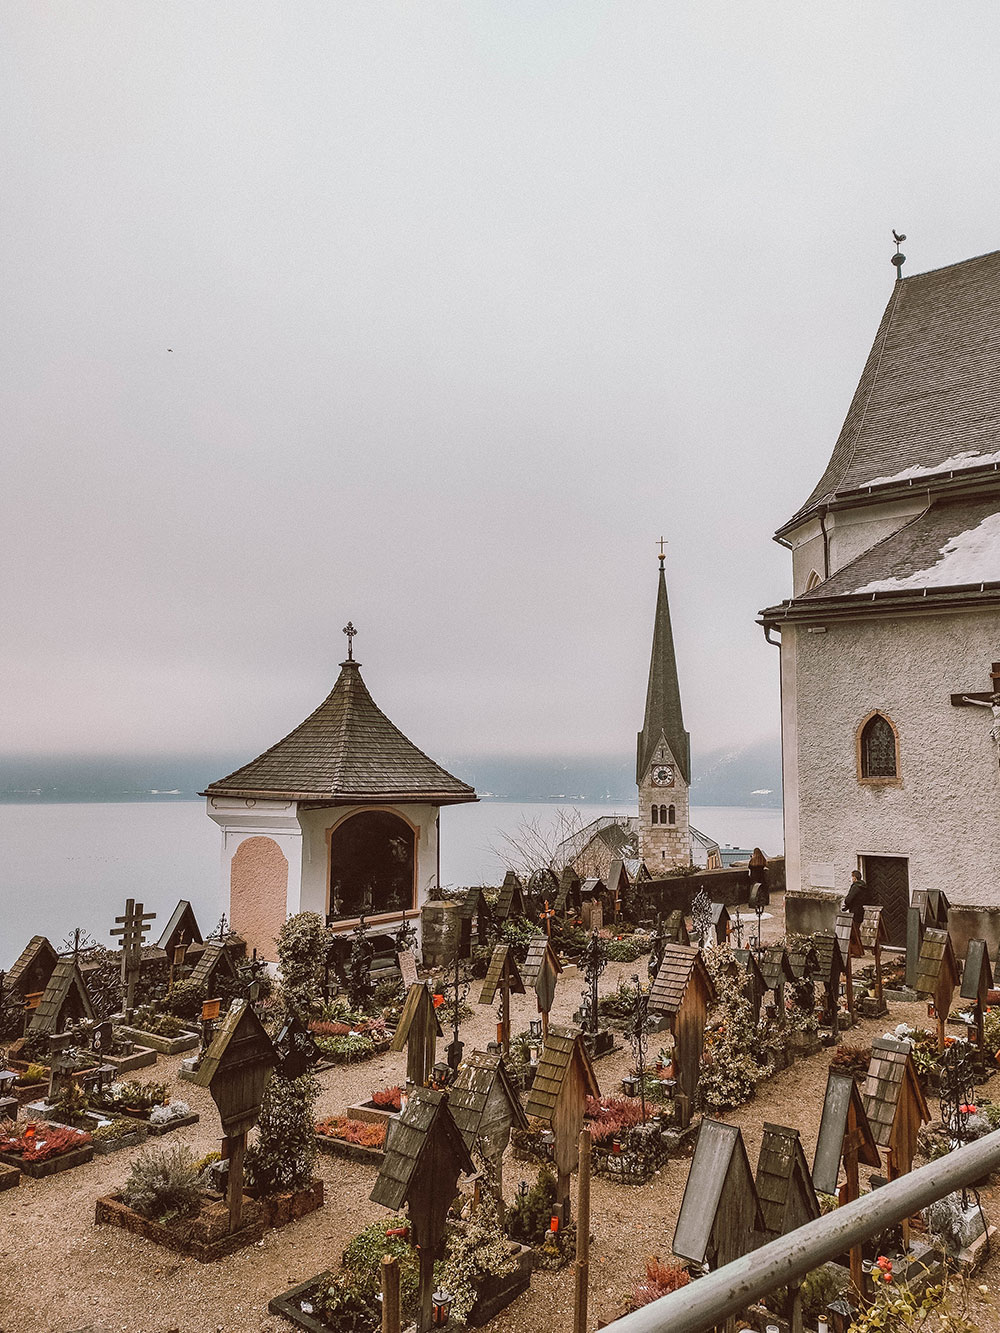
{"points": [[426, 1317], [545, 1025], [582, 1236], [852, 1191], [795, 1312], [877, 951], [237, 1146], [849, 982], [390, 1294]]}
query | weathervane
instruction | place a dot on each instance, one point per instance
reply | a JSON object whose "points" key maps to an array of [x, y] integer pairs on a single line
{"points": [[898, 259], [350, 631]]}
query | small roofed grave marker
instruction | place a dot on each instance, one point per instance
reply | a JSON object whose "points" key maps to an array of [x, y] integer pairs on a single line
{"points": [[132, 928], [777, 972], [511, 901], [421, 1167], [845, 1135], [830, 969], [720, 922], [849, 941], [486, 1107], [235, 1070], [683, 991], [928, 907], [720, 1217], [417, 1032], [540, 970], [503, 977], [874, 936], [937, 977], [752, 979], [558, 1098], [977, 982], [895, 1103]]}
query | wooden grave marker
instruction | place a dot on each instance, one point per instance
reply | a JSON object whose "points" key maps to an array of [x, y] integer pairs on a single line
{"points": [[784, 1182], [720, 922], [777, 972], [752, 980], [235, 1069], [683, 991], [977, 982], [937, 976], [420, 1169], [132, 927], [558, 1098], [845, 1135], [874, 936], [486, 1107], [540, 970], [407, 967], [720, 1218], [511, 901], [895, 1103], [851, 947], [417, 1031], [502, 975], [830, 970], [64, 1001]]}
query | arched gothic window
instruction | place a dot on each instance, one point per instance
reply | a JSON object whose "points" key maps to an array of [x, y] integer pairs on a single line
{"points": [[656, 814], [813, 581], [663, 814], [878, 749], [672, 815]]}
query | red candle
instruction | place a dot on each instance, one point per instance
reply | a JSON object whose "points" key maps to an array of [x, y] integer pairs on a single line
{"points": [[554, 1225]]}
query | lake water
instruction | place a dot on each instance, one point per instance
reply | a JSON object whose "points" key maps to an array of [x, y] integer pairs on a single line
{"points": [[63, 866]]}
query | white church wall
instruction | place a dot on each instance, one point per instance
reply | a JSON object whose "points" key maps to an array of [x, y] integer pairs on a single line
{"points": [[943, 816], [854, 531], [807, 554], [241, 819]]}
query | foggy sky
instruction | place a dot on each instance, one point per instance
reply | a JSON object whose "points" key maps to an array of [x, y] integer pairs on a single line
{"points": [[468, 303]]}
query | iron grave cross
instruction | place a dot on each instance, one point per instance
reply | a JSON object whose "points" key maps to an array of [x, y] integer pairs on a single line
{"points": [[990, 699]]}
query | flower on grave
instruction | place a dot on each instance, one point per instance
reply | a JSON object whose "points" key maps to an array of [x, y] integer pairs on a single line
{"points": [[969, 1109]]}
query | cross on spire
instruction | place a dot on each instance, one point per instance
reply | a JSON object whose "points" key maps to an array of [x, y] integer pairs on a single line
{"points": [[350, 631], [663, 542]]}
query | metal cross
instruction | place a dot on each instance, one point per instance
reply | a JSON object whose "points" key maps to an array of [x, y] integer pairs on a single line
{"points": [[350, 631], [663, 542]]}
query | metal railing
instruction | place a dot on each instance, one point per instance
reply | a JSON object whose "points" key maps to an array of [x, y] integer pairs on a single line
{"points": [[703, 1304]]}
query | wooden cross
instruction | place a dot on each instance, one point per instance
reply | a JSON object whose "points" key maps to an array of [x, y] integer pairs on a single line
{"points": [[547, 916], [132, 927]]}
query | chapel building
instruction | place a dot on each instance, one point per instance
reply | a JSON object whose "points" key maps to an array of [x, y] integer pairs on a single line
{"points": [[891, 639], [663, 754], [341, 817]]}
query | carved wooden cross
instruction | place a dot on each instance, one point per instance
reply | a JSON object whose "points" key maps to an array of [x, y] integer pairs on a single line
{"points": [[132, 927]]}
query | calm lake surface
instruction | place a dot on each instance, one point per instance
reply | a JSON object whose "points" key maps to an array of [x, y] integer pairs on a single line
{"points": [[63, 866]]}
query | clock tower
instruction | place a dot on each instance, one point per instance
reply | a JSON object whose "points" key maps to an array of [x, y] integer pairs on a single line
{"points": [[663, 753]]}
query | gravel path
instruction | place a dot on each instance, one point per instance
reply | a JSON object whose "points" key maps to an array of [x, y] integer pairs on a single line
{"points": [[60, 1272]]}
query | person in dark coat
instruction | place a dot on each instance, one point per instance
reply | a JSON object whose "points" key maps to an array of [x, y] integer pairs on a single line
{"points": [[858, 897]]}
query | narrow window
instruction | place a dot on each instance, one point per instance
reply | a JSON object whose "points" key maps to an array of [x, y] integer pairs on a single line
{"points": [[672, 816], [663, 814], [878, 748], [656, 814], [813, 581]]}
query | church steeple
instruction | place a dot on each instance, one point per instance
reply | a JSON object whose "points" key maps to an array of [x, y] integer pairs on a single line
{"points": [[663, 716]]}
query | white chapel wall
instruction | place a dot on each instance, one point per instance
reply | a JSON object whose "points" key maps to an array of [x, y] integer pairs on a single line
{"points": [[944, 815]]}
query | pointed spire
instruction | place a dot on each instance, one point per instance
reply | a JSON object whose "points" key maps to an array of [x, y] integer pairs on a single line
{"points": [[663, 696]]}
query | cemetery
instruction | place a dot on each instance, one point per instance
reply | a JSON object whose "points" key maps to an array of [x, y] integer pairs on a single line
{"points": [[745, 1090]]}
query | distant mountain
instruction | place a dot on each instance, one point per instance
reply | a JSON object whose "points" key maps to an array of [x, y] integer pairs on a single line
{"points": [[747, 776]]}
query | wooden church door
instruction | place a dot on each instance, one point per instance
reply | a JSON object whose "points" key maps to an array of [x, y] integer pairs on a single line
{"points": [[888, 878]]}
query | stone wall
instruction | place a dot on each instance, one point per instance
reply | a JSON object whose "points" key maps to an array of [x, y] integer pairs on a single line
{"points": [[440, 927]]}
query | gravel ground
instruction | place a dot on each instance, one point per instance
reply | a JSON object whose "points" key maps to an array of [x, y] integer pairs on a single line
{"points": [[60, 1272]]}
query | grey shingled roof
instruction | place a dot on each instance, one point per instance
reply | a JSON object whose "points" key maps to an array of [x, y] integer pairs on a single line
{"points": [[930, 389], [680, 963], [890, 1070], [65, 984], [502, 957], [347, 750], [784, 1181], [426, 1117], [663, 696], [562, 1046], [469, 1094], [539, 948], [37, 955]]}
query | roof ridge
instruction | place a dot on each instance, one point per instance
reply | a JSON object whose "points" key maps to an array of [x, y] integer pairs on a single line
{"points": [[943, 268]]}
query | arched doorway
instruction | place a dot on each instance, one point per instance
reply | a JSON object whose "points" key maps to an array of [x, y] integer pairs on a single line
{"points": [[372, 865]]}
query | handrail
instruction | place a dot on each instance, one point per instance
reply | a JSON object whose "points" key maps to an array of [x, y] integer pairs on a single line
{"points": [[703, 1304]]}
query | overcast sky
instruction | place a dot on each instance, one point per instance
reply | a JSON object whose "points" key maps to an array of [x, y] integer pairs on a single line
{"points": [[436, 316]]}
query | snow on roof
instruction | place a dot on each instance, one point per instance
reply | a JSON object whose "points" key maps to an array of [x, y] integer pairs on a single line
{"points": [[972, 556], [968, 458]]}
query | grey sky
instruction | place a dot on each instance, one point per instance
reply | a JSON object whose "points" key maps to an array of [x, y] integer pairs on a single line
{"points": [[467, 303]]}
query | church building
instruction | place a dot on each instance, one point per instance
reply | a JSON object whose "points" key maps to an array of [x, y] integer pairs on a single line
{"points": [[891, 639], [663, 754], [340, 818]]}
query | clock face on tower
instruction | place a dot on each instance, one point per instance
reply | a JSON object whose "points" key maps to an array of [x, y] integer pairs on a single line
{"points": [[663, 775]]}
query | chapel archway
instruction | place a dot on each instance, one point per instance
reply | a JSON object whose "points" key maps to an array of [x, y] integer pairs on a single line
{"points": [[372, 866]]}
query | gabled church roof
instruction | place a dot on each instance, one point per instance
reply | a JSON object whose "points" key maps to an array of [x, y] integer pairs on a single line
{"points": [[346, 751], [663, 715], [927, 406]]}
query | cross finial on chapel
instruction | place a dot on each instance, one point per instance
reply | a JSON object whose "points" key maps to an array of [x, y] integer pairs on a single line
{"points": [[350, 631], [663, 542]]}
